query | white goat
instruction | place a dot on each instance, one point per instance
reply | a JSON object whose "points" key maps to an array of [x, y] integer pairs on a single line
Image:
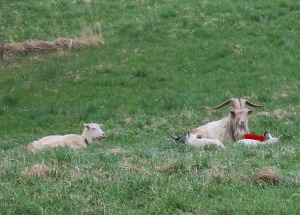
{"points": [[92, 134], [231, 128], [192, 139], [250, 142]]}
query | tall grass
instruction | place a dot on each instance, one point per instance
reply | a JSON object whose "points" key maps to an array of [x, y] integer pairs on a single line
{"points": [[163, 66]]}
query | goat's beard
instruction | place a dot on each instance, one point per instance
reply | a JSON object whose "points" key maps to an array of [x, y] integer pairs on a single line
{"points": [[97, 140], [240, 132]]}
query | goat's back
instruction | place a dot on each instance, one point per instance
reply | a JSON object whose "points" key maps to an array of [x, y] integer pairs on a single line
{"points": [[218, 130], [70, 140]]}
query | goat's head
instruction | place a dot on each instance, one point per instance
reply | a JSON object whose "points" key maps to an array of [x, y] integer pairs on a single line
{"points": [[177, 139], [93, 132], [239, 119], [273, 139], [239, 122]]}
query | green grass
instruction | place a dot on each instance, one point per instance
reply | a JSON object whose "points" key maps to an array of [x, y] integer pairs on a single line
{"points": [[163, 66]]}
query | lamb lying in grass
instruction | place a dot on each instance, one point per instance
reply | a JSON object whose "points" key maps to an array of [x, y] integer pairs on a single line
{"points": [[92, 134], [250, 142], [192, 139]]}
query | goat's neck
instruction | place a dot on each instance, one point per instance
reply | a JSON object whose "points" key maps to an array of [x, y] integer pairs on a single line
{"points": [[231, 129], [87, 142], [87, 139]]}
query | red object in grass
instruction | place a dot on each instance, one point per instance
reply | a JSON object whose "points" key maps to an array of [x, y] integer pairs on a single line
{"points": [[260, 138]]}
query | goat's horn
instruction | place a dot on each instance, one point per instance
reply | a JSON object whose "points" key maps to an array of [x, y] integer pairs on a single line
{"points": [[235, 102], [245, 101]]}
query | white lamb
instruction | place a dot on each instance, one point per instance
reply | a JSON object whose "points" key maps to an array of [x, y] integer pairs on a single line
{"points": [[250, 142], [192, 139], [92, 134]]}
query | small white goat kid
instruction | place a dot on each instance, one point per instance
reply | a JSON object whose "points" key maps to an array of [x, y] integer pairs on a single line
{"points": [[192, 139], [92, 134], [250, 142]]}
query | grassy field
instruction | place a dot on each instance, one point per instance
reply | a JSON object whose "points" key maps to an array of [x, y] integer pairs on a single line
{"points": [[163, 66]]}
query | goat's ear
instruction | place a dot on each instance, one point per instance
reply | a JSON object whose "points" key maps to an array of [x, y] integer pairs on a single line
{"points": [[232, 112], [250, 111]]}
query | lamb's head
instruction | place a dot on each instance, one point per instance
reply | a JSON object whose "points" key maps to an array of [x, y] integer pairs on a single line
{"points": [[190, 137], [177, 139], [93, 133], [239, 122], [273, 139]]}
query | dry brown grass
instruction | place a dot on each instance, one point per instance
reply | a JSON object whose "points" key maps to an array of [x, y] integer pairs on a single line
{"points": [[156, 124], [115, 151], [45, 46], [269, 176], [135, 165], [219, 173], [278, 113], [129, 121], [39, 170], [167, 168]]}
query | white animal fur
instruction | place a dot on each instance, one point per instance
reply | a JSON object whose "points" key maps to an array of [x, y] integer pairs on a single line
{"points": [[230, 128], [92, 134], [249, 142], [192, 139]]}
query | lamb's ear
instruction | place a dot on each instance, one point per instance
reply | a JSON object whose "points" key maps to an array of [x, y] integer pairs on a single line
{"points": [[250, 111], [188, 132], [87, 126]]}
